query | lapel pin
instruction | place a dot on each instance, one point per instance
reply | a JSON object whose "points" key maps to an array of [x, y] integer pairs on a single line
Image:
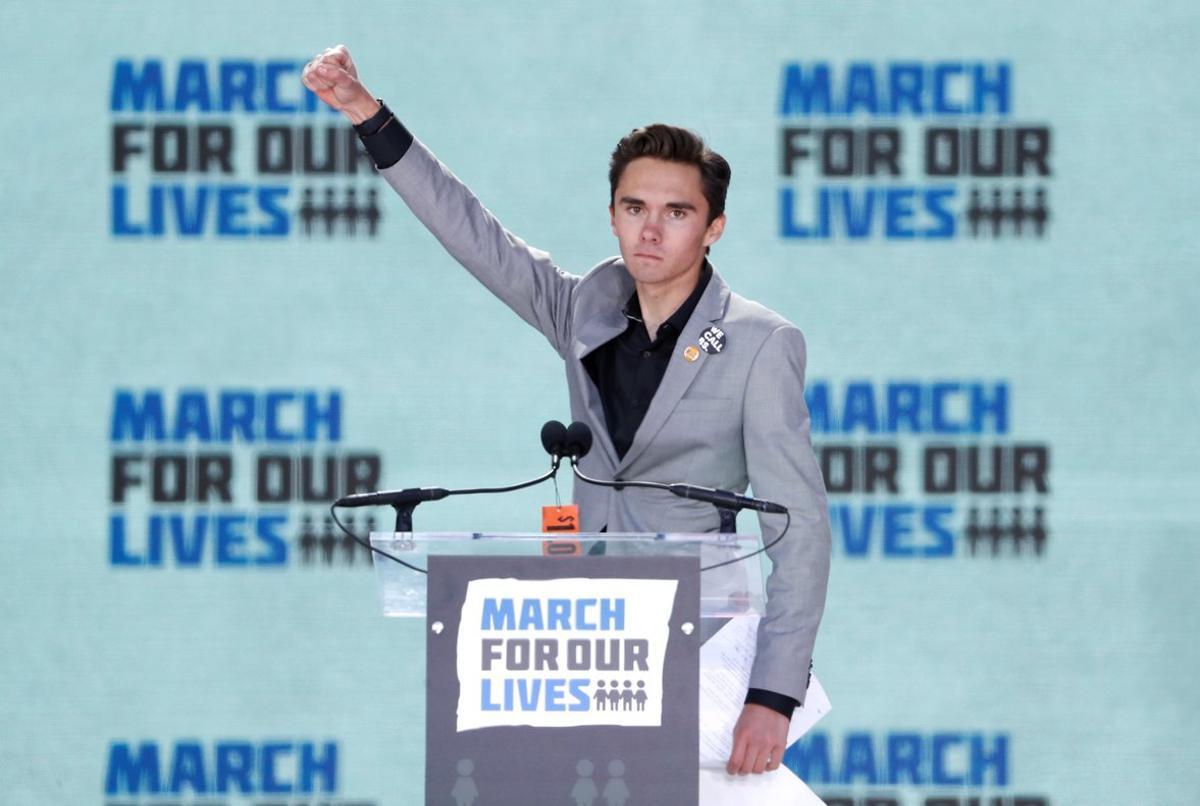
{"points": [[691, 353], [712, 340]]}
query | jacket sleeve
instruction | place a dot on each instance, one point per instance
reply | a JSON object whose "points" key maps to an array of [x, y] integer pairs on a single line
{"points": [[782, 467], [524, 278]]}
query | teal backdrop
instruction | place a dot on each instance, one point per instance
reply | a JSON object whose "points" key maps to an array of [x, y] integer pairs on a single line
{"points": [[201, 321]]}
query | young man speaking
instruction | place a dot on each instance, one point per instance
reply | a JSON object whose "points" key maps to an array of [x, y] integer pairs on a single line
{"points": [[679, 378]]}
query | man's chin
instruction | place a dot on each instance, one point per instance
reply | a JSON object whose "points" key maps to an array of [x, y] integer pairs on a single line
{"points": [[647, 269]]}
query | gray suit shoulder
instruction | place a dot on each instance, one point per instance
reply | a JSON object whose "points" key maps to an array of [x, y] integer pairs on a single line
{"points": [[606, 283], [757, 320], [607, 275]]}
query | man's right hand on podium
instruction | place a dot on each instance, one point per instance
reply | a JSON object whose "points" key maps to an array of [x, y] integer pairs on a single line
{"points": [[333, 77]]}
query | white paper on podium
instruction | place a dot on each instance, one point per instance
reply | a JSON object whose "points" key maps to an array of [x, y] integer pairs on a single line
{"points": [[778, 788], [725, 661]]}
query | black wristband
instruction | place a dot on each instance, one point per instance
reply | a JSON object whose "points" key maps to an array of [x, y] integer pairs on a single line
{"points": [[781, 703], [388, 140], [375, 122]]}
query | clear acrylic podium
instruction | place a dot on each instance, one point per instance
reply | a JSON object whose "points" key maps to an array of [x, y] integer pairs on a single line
{"points": [[736, 589], [567, 748]]}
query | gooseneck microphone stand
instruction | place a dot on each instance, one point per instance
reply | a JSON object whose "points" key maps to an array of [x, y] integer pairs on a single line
{"points": [[578, 442]]}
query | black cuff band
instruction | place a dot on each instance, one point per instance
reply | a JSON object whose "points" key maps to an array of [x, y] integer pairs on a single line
{"points": [[773, 700], [375, 122], [388, 140]]}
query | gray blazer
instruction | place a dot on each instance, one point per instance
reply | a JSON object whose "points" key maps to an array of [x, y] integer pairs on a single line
{"points": [[725, 420]]}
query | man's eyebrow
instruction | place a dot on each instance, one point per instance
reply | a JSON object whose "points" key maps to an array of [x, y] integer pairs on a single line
{"points": [[674, 205]]}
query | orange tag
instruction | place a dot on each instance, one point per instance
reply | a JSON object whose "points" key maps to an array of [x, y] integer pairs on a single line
{"points": [[565, 520], [691, 353], [560, 519]]}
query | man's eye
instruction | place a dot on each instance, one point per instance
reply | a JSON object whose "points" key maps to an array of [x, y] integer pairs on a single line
{"points": [[633, 210], [679, 214]]}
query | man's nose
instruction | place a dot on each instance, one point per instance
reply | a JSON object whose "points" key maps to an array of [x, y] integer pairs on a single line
{"points": [[651, 231]]}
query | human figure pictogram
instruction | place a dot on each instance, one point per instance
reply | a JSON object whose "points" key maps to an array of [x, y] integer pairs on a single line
{"points": [[584, 793], [974, 212], [348, 543], [464, 790], [350, 212], [974, 532], [614, 696], [328, 541], [1040, 214], [1037, 532], [1017, 531], [616, 792], [371, 213], [329, 212], [307, 540], [308, 211]]}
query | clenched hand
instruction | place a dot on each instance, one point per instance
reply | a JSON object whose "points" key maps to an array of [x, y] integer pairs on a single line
{"points": [[333, 77]]}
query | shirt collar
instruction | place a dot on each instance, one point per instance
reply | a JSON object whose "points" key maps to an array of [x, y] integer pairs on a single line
{"points": [[677, 320]]}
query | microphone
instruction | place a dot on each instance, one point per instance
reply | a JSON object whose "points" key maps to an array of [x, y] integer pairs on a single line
{"points": [[414, 495], [578, 440], [566, 442], [554, 438], [725, 499]]}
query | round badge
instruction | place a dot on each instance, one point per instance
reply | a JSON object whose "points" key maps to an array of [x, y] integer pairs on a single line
{"points": [[712, 340], [691, 353]]}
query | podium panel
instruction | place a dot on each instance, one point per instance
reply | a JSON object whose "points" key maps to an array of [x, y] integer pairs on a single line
{"points": [[565, 668], [559, 680]]}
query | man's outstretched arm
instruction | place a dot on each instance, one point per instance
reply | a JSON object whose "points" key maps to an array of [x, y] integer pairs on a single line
{"points": [[524, 278]]}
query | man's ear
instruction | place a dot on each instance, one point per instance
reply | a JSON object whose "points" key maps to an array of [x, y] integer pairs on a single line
{"points": [[612, 219], [715, 230]]}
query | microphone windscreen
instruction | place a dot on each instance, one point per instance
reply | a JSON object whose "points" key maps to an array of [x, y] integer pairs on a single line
{"points": [[554, 438], [579, 439]]}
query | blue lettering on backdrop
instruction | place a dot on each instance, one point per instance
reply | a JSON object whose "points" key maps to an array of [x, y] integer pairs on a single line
{"points": [[860, 213], [130, 773], [213, 86], [936, 407], [234, 767], [889, 529], [191, 767], [839, 204], [228, 539], [274, 415], [934, 89], [196, 210], [902, 757]]}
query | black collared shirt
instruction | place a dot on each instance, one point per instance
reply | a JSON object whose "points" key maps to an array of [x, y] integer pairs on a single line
{"points": [[628, 369]]}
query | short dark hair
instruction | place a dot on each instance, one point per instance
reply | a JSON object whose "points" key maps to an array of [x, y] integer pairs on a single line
{"points": [[673, 144]]}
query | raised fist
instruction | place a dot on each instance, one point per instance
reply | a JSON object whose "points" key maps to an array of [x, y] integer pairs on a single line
{"points": [[332, 76]]}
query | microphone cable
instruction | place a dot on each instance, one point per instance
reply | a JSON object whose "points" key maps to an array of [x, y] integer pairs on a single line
{"points": [[468, 491], [656, 485]]}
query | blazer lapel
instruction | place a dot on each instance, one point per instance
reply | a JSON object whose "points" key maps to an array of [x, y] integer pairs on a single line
{"points": [[601, 328], [680, 372]]}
